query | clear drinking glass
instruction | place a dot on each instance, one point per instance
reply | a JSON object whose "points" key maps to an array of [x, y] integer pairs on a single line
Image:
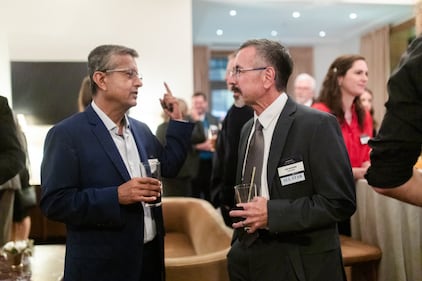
{"points": [[152, 169], [212, 135], [243, 193]]}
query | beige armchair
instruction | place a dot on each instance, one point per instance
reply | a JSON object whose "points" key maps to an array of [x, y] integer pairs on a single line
{"points": [[196, 241]]}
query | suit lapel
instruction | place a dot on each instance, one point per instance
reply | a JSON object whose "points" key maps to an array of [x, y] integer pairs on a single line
{"points": [[106, 141], [279, 138], [139, 136]]}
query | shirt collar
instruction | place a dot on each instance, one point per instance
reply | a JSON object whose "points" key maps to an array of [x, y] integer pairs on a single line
{"points": [[110, 125], [272, 112]]}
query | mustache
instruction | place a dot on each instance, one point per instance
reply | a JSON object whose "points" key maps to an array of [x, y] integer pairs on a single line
{"points": [[235, 89]]}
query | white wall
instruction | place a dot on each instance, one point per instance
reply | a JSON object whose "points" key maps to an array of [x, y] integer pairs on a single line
{"points": [[67, 30]]}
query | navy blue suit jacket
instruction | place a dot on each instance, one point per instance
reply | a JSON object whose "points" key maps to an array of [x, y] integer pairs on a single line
{"points": [[80, 173]]}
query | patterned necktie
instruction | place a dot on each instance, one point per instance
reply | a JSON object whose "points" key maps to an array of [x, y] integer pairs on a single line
{"points": [[255, 157]]}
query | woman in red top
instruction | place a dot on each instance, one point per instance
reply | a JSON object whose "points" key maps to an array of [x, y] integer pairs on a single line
{"points": [[344, 82]]}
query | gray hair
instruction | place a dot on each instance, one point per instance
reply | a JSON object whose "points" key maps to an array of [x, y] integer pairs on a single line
{"points": [[100, 59], [275, 55]]}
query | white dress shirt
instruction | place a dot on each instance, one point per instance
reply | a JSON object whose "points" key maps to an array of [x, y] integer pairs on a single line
{"points": [[268, 120]]}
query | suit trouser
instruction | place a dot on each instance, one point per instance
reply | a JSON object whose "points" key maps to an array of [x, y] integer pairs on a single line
{"points": [[258, 262], [7, 197], [151, 262], [268, 259]]}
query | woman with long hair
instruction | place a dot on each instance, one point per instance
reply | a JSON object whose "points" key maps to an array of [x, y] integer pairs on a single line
{"points": [[344, 82]]}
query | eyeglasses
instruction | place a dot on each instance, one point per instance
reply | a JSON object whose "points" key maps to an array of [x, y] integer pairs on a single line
{"points": [[129, 72], [237, 70]]}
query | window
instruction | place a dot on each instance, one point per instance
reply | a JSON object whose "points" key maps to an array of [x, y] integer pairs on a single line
{"points": [[221, 98]]}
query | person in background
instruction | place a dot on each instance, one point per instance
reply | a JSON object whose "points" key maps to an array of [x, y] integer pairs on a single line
{"points": [[304, 89], [90, 176], [12, 161], [366, 99], [289, 231], [21, 219], [344, 82], [223, 177], [85, 94], [181, 184], [397, 146], [199, 112]]}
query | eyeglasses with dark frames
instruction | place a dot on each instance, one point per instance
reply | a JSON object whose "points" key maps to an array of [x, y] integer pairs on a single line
{"points": [[131, 73], [237, 70]]}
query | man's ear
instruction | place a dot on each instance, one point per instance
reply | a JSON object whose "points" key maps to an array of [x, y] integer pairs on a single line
{"points": [[269, 77], [99, 79]]}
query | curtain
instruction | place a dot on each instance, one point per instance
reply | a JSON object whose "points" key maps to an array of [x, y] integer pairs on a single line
{"points": [[375, 47], [201, 58]]}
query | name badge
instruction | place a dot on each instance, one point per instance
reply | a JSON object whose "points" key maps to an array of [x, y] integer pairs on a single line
{"points": [[364, 139], [291, 173]]}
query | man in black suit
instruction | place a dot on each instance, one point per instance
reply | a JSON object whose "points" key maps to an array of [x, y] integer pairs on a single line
{"points": [[225, 157], [12, 160], [289, 231]]}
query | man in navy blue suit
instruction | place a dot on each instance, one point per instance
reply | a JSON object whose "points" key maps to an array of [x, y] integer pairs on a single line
{"points": [[91, 180]]}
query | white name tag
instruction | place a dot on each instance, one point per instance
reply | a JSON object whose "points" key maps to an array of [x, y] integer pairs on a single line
{"points": [[364, 139], [291, 169], [292, 179]]}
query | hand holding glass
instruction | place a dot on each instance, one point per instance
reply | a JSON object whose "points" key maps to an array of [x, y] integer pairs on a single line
{"points": [[152, 169], [212, 135], [243, 193]]}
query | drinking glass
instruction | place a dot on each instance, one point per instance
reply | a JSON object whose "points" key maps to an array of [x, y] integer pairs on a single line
{"points": [[152, 169], [243, 193], [212, 135]]}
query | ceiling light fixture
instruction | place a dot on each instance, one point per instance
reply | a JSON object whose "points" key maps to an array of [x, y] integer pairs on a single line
{"points": [[296, 15], [274, 33], [219, 32], [353, 16], [322, 34], [233, 13]]}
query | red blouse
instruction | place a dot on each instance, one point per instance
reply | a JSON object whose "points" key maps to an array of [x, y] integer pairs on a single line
{"points": [[356, 140]]}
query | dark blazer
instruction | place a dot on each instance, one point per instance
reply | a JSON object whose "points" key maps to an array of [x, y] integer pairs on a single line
{"points": [[397, 146], [12, 157], [304, 214], [80, 173]]}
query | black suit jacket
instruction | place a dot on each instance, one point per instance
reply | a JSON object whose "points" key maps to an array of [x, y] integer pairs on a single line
{"points": [[397, 146], [12, 157], [304, 214]]}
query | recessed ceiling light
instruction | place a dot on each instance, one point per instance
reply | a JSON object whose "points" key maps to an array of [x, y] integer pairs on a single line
{"points": [[274, 33], [233, 13], [295, 15], [322, 33], [352, 16], [219, 32]]}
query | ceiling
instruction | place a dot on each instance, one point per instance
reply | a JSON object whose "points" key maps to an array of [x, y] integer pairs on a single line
{"points": [[258, 18]]}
